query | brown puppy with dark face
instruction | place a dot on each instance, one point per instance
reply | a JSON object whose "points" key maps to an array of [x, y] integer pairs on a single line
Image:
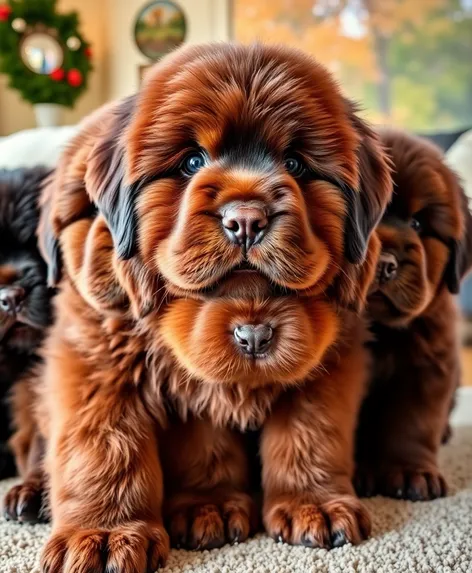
{"points": [[215, 237], [426, 236]]}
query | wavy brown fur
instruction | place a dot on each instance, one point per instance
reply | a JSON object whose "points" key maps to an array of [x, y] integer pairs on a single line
{"points": [[416, 347], [142, 365]]}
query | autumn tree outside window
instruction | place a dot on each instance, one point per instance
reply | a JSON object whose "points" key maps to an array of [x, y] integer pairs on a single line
{"points": [[409, 62]]}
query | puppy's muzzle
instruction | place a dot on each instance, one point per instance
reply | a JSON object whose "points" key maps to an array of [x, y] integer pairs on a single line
{"points": [[11, 299], [245, 224], [387, 268], [253, 339]]}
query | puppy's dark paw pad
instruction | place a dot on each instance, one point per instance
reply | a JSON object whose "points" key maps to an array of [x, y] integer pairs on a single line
{"points": [[310, 527], [417, 488], [349, 520], [201, 525], [338, 538], [279, 525], [393, 484], [297, 522], [413, 485], [207, 530], [426, 486], [239, 519], [137, 547], [24, 502], [332, 524]]}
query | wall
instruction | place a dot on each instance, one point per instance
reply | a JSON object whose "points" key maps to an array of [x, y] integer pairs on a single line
{"points": [[206, 20], [108, 25], [15, 114]]}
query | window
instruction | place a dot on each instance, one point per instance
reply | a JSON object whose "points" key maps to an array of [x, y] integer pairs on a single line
{"points": [[408, 62]]}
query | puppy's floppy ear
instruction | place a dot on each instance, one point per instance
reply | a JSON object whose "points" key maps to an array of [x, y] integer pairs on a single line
{"points": [[90, 166], [366, 205], [47, 236], [460, 257], [105, 179], [352, 285]]}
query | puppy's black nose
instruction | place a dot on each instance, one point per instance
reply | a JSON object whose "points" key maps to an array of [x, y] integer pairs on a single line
{"points": [[11, 298], [388, 267], [245, 224], [253, 338]]}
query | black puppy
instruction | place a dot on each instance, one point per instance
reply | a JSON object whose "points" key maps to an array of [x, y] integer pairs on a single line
{"points": [[25, 300]]}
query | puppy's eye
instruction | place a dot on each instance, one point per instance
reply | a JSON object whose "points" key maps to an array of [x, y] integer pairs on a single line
{"points": [[415, 225], [193, 163], [294, 166]]}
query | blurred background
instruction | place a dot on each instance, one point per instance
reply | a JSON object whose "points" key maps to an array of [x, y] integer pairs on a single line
{"points": [[408, 62]]}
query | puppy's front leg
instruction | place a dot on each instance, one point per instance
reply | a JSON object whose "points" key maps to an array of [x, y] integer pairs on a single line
{"points": [[404, 416], [207, 500], [106, 480], [401, 428], [307, 457], [26, 501]]}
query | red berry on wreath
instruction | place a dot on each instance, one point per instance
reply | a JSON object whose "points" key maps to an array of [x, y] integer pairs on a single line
{"points": [[57, 75], [5, 12], [74, 77], [88, 53]]}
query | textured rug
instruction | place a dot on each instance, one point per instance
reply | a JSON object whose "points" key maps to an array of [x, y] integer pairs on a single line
{"points": [[432, 537]]}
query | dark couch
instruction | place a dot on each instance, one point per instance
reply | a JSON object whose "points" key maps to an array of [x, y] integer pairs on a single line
{"points": [[444, 140]]}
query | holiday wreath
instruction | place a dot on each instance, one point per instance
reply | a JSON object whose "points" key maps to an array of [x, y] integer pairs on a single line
{"points": [[45, 56]]}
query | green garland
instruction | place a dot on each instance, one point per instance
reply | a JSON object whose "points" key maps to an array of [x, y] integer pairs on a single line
{"points": [[64, 85]]}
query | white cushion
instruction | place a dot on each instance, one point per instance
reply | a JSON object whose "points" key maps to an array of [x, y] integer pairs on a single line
{"points": [[459, 157], [41, 146]]}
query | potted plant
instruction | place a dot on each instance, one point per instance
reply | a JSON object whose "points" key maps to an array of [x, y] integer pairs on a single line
{"points": [[44, 55]]}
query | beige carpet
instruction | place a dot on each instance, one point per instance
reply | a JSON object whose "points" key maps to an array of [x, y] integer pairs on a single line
{"points": [[433, 537]]}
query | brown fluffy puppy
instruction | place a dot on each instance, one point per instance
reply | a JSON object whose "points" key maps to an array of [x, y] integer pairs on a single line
{"points": [[426, 237], [215, 235]]}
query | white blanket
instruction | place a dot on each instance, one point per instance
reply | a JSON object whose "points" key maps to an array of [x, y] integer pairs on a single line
{"points": [[41, 146]]}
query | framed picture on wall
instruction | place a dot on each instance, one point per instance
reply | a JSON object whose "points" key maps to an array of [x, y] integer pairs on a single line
{"points": [[159, 28]]}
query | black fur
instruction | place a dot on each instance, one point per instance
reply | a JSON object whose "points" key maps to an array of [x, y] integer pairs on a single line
{"points": [[364, 204], [115, 198], [356, 233], [21, 270]]}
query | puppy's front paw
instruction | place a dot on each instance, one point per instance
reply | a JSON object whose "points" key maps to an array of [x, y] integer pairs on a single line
{"points": [[136, 547], [296, 520], [24, 502], [400, 483], [197, 523]]}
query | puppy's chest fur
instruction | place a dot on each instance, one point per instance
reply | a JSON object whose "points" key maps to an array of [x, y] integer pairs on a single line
{"points": [[129, 358], [234, 405], [428, 345], [135, 359]]}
